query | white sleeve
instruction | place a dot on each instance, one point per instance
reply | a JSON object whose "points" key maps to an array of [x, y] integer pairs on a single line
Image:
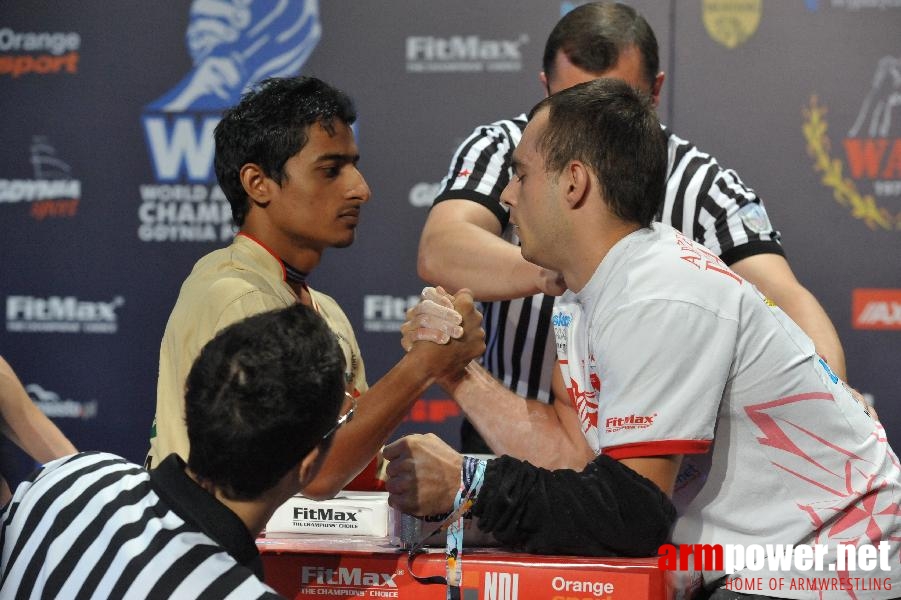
{"points": [[664, 367]]}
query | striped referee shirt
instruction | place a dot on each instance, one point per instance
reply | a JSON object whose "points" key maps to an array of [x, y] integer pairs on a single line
{"points": [[93, 525], [706, 202]]}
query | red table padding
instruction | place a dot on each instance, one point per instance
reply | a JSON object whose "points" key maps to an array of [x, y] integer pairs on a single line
{"points": [[312, 566]]}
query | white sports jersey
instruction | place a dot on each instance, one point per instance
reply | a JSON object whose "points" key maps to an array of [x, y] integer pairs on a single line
{"points": [[706, 201], [665, 351]]}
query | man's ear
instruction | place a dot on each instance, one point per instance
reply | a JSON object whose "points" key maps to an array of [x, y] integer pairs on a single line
{"points": [[576, 179], [256, 183], [657, 88], [542, 77]]}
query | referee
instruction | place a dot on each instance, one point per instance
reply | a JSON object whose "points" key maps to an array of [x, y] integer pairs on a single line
{"points": [[261, 405], [708, 203]]}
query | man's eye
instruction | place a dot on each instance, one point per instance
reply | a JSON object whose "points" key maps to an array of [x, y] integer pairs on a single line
{"points": [[332, 171]]}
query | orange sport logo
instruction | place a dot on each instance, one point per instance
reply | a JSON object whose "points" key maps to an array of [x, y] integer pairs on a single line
{"points": [[876, 309], [38, 53]]}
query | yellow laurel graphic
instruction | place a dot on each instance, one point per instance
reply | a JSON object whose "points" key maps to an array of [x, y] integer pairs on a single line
{"points": [[844, 190]]}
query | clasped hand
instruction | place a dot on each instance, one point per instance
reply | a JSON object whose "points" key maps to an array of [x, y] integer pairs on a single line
{"points": [[451, 324], [434, 319]]}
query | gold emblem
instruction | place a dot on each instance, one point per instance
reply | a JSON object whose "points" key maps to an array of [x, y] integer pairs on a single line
{"points": [[731, 22], [844, 189]]}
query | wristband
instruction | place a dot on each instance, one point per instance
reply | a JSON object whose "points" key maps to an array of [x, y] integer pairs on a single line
{"points": [[472, 475]]}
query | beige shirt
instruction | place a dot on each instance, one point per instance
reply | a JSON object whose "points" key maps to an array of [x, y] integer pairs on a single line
{"points": [[224, 287]]}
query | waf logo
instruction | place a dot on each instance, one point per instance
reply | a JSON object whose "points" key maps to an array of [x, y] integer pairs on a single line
{"points": [[867, 180], [876, 309], [233, 45]]}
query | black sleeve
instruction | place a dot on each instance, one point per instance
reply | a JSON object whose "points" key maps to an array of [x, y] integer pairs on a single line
{"points": [[605, 510]]}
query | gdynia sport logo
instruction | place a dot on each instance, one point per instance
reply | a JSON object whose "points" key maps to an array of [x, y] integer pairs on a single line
{"points": [[816, 567], [233, 45]]}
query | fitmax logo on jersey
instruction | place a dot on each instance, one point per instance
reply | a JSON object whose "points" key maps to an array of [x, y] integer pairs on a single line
{"points": [[233, 45], [459, 53], [871, 190], [386, 313], [38, 52], [55, 407], [613, 424], [52, 192], [62, 314]]}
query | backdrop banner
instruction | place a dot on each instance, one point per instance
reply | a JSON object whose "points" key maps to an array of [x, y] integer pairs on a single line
{"points": [[108, 196]]}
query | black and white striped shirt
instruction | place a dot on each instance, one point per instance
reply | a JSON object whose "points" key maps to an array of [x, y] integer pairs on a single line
{"points": [[93, 525], [708, 203]]}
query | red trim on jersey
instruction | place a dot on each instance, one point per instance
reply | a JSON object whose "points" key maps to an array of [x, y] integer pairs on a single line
{"points": [[269, 250], [657, 448]]}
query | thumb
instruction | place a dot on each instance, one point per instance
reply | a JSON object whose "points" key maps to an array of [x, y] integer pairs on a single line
{"points": [[396, 450]]}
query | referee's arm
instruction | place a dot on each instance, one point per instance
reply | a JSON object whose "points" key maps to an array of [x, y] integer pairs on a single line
{"points": [[773, 276], [461, 247]]}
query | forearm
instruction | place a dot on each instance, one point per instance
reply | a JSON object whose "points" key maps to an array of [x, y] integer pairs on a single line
{"points": [[772, 275], [25, 424], [384, 405], [379, 411], [34, 433], [466, 255], [808, 314], [606, 509], [527, 429]]}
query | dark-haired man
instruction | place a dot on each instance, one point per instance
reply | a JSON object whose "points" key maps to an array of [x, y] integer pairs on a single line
{"points": [[286, 160], [262, 404], [686, 387], [468, 238]]}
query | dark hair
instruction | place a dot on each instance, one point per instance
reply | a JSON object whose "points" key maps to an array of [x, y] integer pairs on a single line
{"points": [[268, 126], [260, 397], [593, 35], [612, 128]]}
